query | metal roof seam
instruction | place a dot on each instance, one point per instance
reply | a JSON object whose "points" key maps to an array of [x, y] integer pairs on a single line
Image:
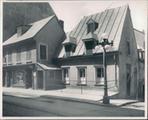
{"points": [[119, 23], [105, 12], [114, 21], [109, 20], [79, 28]]}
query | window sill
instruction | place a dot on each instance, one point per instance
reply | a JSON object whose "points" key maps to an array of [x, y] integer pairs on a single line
{"points": [[67, 83], [79, 84], [29, 61], [99, 85], [18, 63]]}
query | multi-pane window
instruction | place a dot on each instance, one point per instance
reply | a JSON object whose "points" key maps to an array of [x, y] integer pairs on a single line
{"points": [[28, 54], [9, 57], [18, 55], [82, 76], [128, 48], [100, 72], [43, 52], [99, 76], [4, 59], [66, 75]]}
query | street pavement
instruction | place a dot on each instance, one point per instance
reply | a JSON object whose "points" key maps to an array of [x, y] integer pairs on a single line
{"points": [[87, 96], [14, 106]]}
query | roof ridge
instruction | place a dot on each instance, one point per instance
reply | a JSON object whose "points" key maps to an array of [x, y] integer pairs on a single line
{"points": [[49, 17], [104, 11], [139, 31], [14, 39]]}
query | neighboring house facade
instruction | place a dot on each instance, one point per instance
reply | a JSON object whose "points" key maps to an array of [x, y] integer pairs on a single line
{"points": [[28, 54], [140, 39], [81, 59]]}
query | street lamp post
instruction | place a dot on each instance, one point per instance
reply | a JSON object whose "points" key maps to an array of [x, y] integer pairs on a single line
{"points": [[103, 43]]}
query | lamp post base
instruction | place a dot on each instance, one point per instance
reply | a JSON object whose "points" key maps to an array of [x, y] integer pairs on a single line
{"points": [[106, 100]]}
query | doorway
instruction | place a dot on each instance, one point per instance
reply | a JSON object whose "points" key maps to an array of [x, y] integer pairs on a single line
{"points": [[29, 78], [40, 79], [128, 79]]}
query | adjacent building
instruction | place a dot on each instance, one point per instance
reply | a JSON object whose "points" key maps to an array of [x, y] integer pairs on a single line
{"points": [[140, 39], [28, 54]]}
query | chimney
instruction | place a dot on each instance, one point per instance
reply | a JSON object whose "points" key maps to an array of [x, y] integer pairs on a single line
{"points": [[22, 29], [61, 22], [19, 31]]}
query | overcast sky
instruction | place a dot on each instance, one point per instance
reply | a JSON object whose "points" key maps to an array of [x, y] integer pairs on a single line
{"points": [[72, 11]]}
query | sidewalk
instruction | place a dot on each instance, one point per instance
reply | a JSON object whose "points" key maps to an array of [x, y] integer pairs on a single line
{"points": [[89, 96]]}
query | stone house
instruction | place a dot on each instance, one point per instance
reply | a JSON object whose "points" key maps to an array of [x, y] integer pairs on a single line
{"points": [[81, 59]]}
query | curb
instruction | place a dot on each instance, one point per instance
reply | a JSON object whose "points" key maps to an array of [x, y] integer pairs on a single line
{"points": [[63, 98], [78, 100]]}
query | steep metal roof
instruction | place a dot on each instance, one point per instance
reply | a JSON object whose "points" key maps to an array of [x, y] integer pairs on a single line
{"points": [[33, 30], [139, 35], [109, 21]]}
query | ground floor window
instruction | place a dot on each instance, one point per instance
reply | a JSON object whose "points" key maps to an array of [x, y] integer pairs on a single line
{"points": [[19, 78], [82, 76], [66, 76], [99, 76]]}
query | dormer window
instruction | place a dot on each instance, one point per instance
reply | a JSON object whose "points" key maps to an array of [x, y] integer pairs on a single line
{"points": [[69, 45], [90, 41], [91, 26]]}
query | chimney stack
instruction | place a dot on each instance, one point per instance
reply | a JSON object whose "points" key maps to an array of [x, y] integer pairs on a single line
{"points": [[61, 22], [22, 29]]}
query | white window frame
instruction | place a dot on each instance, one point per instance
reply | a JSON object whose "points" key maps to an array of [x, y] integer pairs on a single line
{"points": [[46, 51], [67, 79], [96, 77], [79, 82], [9, 57]]}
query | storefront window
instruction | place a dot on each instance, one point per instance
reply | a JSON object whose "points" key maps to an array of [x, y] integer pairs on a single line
{"points": [[19, 78]]}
